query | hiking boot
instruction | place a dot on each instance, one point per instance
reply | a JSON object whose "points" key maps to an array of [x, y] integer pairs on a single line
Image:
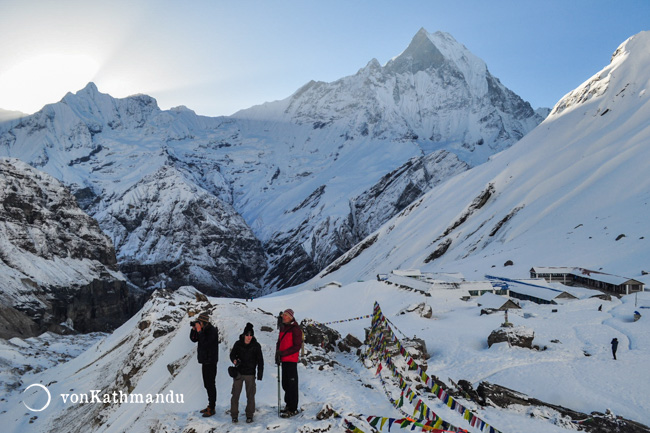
{"points": [[249, 420], [289, 413], [204, 410], [235, 420], [208, 412]]}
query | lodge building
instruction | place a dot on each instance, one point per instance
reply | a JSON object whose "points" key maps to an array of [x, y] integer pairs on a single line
{"points": [[588, 278]]}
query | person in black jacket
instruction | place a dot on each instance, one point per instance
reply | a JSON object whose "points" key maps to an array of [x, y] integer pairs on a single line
{"points": [[246, 355], [614, 347], [207, 337]]}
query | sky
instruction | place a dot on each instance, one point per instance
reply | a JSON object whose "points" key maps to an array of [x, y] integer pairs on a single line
{"points": [[217, 57]]}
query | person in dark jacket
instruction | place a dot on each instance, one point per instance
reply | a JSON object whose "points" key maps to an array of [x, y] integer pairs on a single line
{"points": [[614, 347], [287, 352], [207, 337], [246, 355]]}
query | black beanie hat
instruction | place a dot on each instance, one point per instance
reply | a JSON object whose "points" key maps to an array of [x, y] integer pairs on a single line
{"points": [[248, 329]]}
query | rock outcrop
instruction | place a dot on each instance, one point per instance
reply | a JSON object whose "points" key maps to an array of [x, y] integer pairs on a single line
{"points": [[59, 269], [514, 336]]}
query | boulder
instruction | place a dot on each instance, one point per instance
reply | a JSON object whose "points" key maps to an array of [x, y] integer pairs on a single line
{"points": [[422, 309], [319, 335], [514, 336]]}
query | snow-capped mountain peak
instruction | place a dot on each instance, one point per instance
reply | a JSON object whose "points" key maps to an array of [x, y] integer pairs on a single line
{"points": [[440, 50], [95, 107]]}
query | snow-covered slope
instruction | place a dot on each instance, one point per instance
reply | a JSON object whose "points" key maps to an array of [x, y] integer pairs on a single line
{"points": [[571, 193], [58, 268], [295, 170], [151, 354]]}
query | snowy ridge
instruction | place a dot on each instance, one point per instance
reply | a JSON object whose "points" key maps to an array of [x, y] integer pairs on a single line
{"points": [[597, 85], [399, 188]]}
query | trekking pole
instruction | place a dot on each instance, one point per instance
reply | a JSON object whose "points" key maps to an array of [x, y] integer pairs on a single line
{"points": [[278, 390]]}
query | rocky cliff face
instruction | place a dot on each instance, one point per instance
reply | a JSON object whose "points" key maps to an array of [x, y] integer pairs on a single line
{"points": [[399, 188], [170, 232], [59, 269]]}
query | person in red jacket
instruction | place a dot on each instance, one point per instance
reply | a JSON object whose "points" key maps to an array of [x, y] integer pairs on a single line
{"points": [[286, 354]]}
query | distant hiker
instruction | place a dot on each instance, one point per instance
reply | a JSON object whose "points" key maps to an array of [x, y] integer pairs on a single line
{"points": [[286, 354], [600, 308], [614, 346], [208, 354], [246, 355]]}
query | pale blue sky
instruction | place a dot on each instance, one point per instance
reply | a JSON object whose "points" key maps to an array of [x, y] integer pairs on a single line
{"points": [[217, 57]]}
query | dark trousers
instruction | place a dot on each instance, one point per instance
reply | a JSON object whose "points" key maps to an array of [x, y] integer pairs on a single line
{"points": [[249, 382], [290, 385], [209, 376]]}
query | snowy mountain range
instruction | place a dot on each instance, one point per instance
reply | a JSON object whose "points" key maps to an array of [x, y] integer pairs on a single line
{"points": [[570, 193], [267, 198]]}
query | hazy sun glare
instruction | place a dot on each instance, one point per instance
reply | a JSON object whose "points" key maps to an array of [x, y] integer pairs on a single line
{"points": [[44, 79]]}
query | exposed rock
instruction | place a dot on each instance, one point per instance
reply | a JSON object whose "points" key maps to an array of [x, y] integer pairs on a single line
{"points": [[319, 335], [352, 341], [595, 422], [514, 336], [325, 413], [221, 255], [417, 348], [422, 309], [14, 323], [143, 325], [399, 188], [56, 263]]}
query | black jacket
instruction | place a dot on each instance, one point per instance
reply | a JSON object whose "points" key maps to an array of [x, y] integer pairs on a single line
{"points": [[208, 339], [249, 356]]}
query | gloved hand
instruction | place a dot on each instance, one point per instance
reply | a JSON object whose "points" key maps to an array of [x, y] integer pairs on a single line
{"points": [[259, 377], [277, 357]]}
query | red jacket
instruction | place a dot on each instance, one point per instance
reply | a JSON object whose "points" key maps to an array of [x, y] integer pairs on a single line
{"points": [[289, 342]]}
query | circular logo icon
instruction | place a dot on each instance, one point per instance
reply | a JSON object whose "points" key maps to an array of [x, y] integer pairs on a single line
{"points": [[49, 397]]}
